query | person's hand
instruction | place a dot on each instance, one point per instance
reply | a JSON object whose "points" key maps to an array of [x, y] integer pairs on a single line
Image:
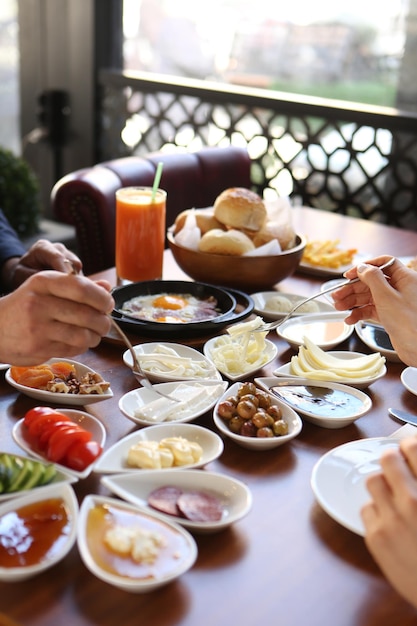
{"points": [[43, 255], [53, 314], [392, 302], [390, 518]]}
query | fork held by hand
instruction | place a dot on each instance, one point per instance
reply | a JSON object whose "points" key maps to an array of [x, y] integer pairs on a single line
{"points": [[273, 325]]}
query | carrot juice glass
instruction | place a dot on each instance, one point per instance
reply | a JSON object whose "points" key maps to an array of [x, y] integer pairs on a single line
{"points": [[140, 233]]}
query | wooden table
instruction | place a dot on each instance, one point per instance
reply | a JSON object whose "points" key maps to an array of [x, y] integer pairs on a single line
{"points": [[287, 562]]}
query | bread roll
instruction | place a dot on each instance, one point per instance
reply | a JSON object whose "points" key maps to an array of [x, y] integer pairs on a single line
{"points": [[240, 208], [284, 233], [228, 242], [204, 218]]}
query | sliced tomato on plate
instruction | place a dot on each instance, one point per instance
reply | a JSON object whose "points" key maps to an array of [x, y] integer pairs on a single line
{"points": [[49, 429], [64, 437], [81, 454], [36, 412], [39, 423]]}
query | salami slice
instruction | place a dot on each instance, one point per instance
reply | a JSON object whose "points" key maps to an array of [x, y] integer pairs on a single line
{"points": [[165, 499], [200, 507]]}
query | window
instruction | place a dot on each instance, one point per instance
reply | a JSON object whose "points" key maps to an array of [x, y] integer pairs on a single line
{"points": [[9, 77], [349, 50]]}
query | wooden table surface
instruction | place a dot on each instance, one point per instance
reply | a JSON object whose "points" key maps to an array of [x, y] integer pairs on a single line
{"points": [[287, 563]]}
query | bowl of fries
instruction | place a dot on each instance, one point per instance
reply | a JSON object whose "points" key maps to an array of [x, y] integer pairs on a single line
{"points": [[248, 273], [327, 255]]}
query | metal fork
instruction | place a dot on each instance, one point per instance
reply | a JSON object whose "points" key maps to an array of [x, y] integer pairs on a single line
{"points": [[272, 325]]}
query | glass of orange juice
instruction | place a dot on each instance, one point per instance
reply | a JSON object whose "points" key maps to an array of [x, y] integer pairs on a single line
{"points": [[140, 233]]}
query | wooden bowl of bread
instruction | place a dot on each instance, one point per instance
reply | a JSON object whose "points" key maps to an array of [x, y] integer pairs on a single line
{"points": [[239, 242]]}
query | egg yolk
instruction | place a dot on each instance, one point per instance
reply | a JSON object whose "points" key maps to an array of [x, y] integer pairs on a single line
{"points": [[170, 302]]}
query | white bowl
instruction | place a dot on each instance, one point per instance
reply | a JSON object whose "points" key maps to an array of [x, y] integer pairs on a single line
{"points": [[174, 559], [61, 476], [63, 491], [320, 413], [235, 497], [69, 399], [269, 355], [259, 443], [359, 383], [189, 363], [87, 421], [377, 339], [263, 307], [326, 330], [113, 460], [171, 411]]}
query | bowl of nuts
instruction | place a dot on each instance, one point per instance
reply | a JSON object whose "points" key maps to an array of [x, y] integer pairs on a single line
{"points": [[254, 419]]}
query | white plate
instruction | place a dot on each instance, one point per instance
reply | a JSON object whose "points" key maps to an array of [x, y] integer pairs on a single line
{"points": [[320, 413], [260, 443], [338, 479], [235, 497], [66, 493], [87, 421], [321, 270], [168, 373], [208, 394], [377, 339], [113, 460], [4, 366], [326, 330], [285, 370], [409, 379], [69, 399], [61, 476], [263, 307], [271, 352], [176, 556]]}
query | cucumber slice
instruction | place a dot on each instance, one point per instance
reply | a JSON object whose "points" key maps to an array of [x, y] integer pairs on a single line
{"points": [[35, 478], [24, 469], [49, 474]]}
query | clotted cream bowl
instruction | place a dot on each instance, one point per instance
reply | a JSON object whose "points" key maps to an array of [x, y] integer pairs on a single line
{"points": [[249, 273], [168, 550]]}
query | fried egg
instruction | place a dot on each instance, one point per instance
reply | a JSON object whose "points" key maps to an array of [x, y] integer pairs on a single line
{"points": [[171, 308]]}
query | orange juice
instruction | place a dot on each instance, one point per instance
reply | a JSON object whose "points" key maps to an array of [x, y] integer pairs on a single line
{"points": [[140, 233]]}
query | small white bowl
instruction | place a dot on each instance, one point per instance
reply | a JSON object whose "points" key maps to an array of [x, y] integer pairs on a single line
{"points": [[176, 557], [168, 371], [327, 330], [69, 399], [113, 460], [359, 383], [263, 306], [260, 443], [61, 476], [409, 379], [235, 497], [63, 491], [87, 421], [208, 394], [313, 411], [270, 354]]}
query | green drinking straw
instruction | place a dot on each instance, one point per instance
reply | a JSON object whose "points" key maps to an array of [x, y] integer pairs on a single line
{"points": [[158, 175]]}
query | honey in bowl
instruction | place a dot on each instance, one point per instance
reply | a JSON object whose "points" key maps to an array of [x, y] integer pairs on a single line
{"points": [[33, 533], [111, 537]]}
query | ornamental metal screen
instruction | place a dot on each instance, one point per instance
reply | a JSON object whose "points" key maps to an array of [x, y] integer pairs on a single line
{"points": [[355, 160]]}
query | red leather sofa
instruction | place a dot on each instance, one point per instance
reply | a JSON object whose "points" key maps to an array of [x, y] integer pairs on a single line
{"points": [[86, 198]]}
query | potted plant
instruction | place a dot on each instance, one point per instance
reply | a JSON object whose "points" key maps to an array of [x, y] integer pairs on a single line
{"points": [[19, 194]]}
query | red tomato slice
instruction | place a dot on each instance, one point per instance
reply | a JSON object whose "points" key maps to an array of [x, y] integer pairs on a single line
{"points": [[36, 412], [80, 455], [60, 441], [49, 430], [38, 423]]}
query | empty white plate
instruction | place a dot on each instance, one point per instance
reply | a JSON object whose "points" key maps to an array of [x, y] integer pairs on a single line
{"points": [[326, 330]]}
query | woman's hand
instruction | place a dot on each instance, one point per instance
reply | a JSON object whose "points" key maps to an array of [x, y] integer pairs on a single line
{"points": [[390, 301], [390, 518], [53, 314]]}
